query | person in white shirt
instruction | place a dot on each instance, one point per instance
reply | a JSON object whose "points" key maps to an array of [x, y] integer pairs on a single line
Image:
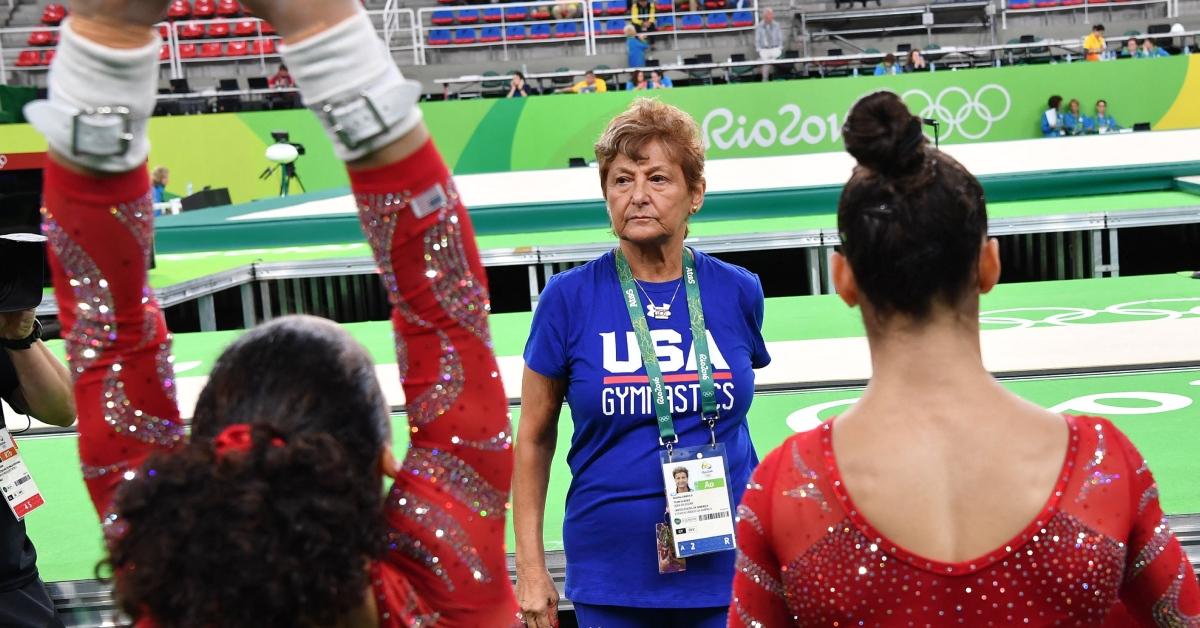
{"points": [[768, 40]]}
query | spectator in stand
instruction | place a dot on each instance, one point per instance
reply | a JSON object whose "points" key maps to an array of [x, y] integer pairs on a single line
{"points": [[889, 66], [768, 41], [282, 79], [637, 83], [158, 179], [635, 44], [518, 88], [1131, 49], [641, 16], [565, 11], [1052, 124], [1151, 50], [658, 80], [1073, 121], [1093, 44], [590, 84], [916, 62], [1103, 122]]}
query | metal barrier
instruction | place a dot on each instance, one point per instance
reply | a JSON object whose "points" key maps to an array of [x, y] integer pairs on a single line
{"points": [[184, 41]]}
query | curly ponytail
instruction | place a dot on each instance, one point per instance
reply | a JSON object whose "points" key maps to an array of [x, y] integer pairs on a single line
{"points": [[911, 218], [280, 534]]}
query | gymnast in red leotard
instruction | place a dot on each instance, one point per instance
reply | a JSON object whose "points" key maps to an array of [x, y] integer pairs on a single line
{"points": [[272, 513], [939, 498]]}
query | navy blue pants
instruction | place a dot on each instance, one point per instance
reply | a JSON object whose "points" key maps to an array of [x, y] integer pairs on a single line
{"points": [[595, 616]]}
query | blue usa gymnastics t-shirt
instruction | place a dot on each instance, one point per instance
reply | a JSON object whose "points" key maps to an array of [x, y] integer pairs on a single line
{"points": [[581, 334]]}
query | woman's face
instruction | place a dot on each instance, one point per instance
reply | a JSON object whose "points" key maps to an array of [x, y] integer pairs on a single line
{"points": [[639, 77], [1074, 106], [648, 199]]}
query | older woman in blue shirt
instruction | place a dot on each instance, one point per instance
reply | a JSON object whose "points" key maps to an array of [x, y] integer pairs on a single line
{"points": [[584, 348]]}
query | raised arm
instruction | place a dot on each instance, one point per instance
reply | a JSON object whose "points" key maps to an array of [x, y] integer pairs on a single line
{"points": [[97, 216]]}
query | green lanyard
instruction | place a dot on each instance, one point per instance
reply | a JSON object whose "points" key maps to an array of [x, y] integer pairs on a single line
{"points": [[633, 303]]}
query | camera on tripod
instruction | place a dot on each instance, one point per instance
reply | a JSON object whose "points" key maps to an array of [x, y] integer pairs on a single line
{"points": [[284, 153]]}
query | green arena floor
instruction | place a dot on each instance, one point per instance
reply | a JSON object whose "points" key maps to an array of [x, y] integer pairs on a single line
{"points": [[1158, 408]]}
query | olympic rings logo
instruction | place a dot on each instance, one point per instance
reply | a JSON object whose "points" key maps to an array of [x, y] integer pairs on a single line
{"points": [[1150, 309], [955, 107]]}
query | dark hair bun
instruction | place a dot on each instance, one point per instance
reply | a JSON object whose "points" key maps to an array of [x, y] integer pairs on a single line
{"points": [[884, 136]]}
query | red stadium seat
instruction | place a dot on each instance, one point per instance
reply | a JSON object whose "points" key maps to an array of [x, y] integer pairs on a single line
{"points": [[164, 32], [49, 57], [29, 59], [714, 4], [1071, 3], [237, 49], [164, 54], [42, 38], [204, 9], [218, 30], [246, 28], [267, 29], [191, 31], [262, 47], [53, 14], [228, 8], [187, 51], [179, 10], [211, 49]]}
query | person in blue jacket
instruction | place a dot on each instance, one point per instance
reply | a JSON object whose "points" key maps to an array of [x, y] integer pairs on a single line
{"points": [[1052, 123], [1074, 121], [636, 44], [1103, 122], [889, 66]]}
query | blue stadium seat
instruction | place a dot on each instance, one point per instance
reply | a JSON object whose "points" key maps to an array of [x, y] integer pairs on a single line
{"points": [[614, 27], [717, 21], [539, 31], [691, 22], [493, 15], [439, 37], [665, 23], [467, 16], [515, 33], [616, 7], [442, 18], [489, 34], [465, 36], [564, 30], [516, 14], [743, 18]]}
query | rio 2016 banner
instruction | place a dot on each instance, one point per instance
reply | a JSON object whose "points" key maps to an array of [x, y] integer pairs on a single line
{"points": [[738, 120], [806, 116]]}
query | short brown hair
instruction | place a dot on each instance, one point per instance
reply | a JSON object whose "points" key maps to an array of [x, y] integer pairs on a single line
{"points": [[647, 120]]}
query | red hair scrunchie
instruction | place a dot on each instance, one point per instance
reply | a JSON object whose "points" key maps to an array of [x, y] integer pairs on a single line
{"points": [[238, 437]]}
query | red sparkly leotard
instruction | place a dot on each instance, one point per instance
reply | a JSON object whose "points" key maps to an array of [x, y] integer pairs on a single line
{"points": [[808, 557], [445, 563]]}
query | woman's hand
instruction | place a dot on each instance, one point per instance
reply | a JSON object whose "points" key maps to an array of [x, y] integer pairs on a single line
{"points": [[537, 597]]}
